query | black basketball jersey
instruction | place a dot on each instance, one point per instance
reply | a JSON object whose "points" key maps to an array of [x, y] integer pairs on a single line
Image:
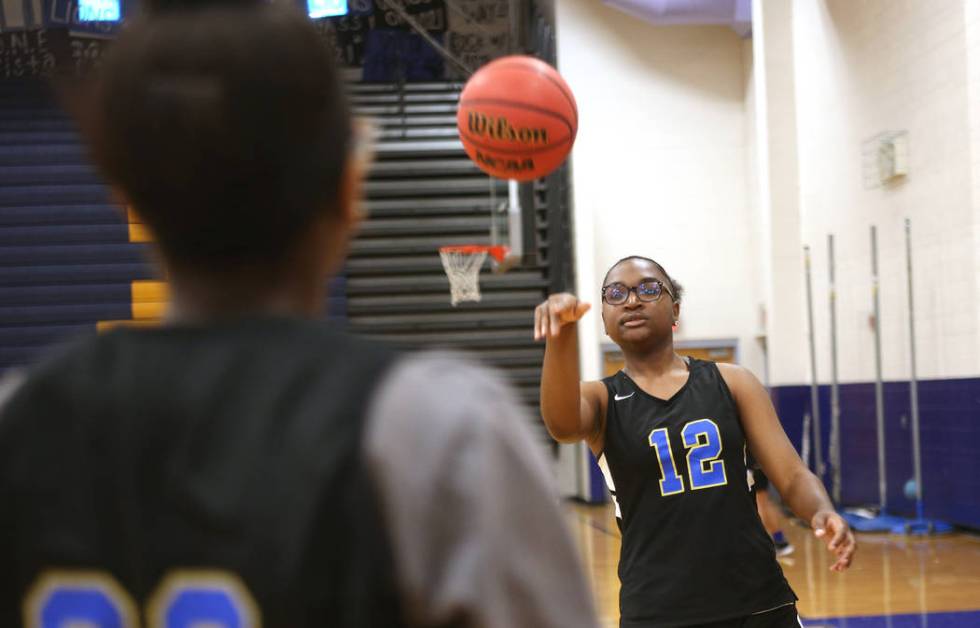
{"points": [[196, 475], [694, 549]]}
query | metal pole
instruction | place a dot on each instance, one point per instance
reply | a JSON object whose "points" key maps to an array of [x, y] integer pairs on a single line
{"points": [[814, 392], [494, 228], [879, 388], [834, 388], [805, 441], [517, 25], [515, 229], [913, 381]]}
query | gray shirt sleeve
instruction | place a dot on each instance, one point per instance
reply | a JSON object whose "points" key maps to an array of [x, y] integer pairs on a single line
{"points": [[477, 530]]}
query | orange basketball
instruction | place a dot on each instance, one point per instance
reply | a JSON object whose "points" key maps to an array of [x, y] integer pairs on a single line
{"points": [[517, 118]]}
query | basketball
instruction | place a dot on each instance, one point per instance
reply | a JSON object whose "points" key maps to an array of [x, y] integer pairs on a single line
{"points": [[517, 118]]}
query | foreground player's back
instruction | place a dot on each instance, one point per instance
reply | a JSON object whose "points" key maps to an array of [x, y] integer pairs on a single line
{"points": [[197, 466]]}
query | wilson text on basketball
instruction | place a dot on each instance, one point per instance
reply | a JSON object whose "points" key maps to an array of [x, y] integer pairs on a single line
{"points": [[482, 125]]}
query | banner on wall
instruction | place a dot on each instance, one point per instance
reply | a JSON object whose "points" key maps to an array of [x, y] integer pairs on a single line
{"points": [[326, 8], [347, 35], [429, 14], [93, 18], [479, 31], [30, 53], [393, 55], [40, 52], [20, 15], [79, 16], [372, 35]]}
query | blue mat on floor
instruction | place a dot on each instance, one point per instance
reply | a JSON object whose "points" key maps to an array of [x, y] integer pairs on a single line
{"points": [[881, 523], [954, 619]]}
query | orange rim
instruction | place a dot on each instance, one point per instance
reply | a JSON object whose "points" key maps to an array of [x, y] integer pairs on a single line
{"points": [[497, 252]]}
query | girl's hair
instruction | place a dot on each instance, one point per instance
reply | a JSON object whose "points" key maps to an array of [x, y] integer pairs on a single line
{"points": [[225, 125]]}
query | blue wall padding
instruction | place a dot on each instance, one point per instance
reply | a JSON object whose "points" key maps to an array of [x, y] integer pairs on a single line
{"points": [[950, 435]]}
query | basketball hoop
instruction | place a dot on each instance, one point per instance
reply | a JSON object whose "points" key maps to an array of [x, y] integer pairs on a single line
{"points": [[462, 264]]}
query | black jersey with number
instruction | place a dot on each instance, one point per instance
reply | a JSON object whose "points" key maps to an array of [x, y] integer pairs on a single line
{"points": [[204, 459], [693, 549]]}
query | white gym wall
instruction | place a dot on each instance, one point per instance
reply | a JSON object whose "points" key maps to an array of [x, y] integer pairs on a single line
{"points": [[670, 162], [722, 157], [661, 167]]}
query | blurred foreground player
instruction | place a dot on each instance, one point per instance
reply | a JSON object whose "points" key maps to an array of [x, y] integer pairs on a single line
{"points": [[244, 464]]}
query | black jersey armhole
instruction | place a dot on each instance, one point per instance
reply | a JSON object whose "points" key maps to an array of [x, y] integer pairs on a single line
{"points": [[724, 386], [728, 395]]}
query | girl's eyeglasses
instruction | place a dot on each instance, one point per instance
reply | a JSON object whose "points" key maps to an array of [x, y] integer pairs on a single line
{"points": [[650, 290]]}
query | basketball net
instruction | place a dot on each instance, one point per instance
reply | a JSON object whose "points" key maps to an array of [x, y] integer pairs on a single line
{"points": [[462, 265]]}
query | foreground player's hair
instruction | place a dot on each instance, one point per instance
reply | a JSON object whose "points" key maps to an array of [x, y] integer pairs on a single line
{"points": [[227, 147]]}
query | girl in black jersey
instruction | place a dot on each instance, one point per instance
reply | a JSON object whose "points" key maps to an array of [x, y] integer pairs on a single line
{"points": [[671, 435]]}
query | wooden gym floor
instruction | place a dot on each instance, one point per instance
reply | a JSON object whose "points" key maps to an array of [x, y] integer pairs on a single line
{"points": [[895, 582]]}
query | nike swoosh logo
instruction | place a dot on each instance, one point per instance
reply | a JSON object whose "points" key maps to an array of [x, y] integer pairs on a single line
{"points": [[618, 398]]}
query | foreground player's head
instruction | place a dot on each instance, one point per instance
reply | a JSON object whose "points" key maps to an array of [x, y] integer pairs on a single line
{"points": [[224, 126], [640, 303]]}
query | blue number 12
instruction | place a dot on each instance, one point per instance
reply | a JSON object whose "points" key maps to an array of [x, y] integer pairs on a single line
{"points": [[705, 469]]}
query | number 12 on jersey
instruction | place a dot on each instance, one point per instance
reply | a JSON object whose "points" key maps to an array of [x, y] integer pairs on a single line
{"points": [[702, 440]]}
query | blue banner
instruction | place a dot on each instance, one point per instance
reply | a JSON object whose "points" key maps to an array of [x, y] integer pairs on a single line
{"points": [[78, 15], [326, 8], [99, 11], [331, 8]]}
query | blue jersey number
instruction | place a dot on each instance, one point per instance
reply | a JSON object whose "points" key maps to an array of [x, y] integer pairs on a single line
{"points": [[705, 469], [703, 442], [671, 483], [183, 600], [82, 598]]}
